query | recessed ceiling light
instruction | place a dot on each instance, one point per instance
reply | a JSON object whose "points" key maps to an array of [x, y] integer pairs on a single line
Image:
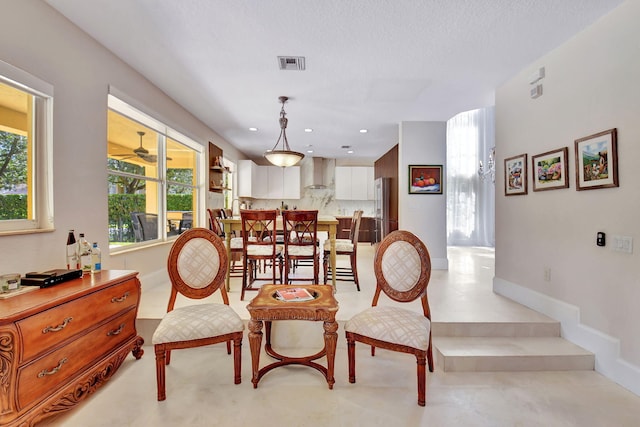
{"points": [[253, 129], [350, 152], [363, 131], [308, 130], [309, 151]]}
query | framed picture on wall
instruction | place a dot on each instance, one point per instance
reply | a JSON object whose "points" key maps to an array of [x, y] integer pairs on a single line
{"points": [[550, 170], [425, 179], [597, 161], [515, 175]]}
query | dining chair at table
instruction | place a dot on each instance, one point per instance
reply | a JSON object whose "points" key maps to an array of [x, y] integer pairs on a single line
{"points": [[215, 215], [300, 243], [197, 267], [402, 268], [348, 247], [258, 245]]}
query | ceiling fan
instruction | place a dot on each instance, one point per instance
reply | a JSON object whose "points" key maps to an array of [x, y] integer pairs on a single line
{"points": [[141, 152]]}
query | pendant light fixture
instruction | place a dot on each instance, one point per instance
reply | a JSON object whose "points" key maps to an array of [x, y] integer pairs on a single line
{"points": [[283, 157]]}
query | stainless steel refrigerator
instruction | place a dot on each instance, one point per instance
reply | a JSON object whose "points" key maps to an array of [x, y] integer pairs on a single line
{"points": [[381, 208]]}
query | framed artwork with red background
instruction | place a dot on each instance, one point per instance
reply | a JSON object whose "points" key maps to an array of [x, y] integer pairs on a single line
{"points": [[425, 179]]}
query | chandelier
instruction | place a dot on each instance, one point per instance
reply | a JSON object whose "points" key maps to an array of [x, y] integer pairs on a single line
{"points": [[283, 157], [490, 170]]}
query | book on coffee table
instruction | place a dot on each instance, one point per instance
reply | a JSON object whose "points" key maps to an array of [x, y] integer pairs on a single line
{"points": [[294, 294]]}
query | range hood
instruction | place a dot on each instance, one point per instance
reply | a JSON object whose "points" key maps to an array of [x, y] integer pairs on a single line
{"points": [[318, 172]]}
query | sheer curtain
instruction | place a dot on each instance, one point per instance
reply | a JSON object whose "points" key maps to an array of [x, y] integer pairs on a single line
{"points": [[470, 200]]}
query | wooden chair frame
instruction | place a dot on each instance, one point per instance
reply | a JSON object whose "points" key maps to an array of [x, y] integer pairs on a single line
{"points": [[419, 290], [178, 285], [215, 215], [259, 230], [300, 232], [345, 273]]}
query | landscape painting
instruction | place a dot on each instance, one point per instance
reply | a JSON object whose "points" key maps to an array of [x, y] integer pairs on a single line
{"points": [[597, 161], [550, 170]]}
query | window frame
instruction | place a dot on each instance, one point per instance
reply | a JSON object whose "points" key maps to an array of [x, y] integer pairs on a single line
{"points": [[164, 132], [41, 144]]}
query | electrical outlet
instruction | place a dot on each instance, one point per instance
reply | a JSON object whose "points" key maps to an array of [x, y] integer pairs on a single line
{"points": [[547, 274]]}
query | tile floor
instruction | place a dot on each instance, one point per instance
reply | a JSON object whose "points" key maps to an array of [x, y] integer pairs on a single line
{"points": [[200, 389]]}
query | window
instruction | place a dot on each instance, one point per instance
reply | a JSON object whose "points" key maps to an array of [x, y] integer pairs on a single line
{"points": [[155, 189], [470, 201], [25, 147]]}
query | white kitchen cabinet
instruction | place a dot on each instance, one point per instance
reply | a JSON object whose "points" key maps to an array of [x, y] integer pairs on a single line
{"points": [[371, 180], [291, 183], [354, 183], [274, 182], [260, 182], [252, 180], [283, 183], [343, 183], [268, 182]]}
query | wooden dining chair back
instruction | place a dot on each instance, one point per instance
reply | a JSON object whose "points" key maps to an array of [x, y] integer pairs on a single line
{"points": [[300, 243], [348, 247], [402, 267], [197, 267], [259, 244], [215, 224], [214, 221]]}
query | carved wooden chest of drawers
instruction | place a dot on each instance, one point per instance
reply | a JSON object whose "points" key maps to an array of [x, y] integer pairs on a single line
{"points": [[59, 344]]}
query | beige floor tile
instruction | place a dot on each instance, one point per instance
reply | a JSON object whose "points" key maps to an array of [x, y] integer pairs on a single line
{"points": [[200, 389]]}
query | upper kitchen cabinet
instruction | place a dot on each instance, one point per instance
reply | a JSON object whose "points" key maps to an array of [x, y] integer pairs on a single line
{"points": [[354, 183], [284, 183], [268, 182], [252, 180]]}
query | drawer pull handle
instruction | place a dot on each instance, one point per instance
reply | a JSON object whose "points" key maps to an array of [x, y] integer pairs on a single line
{"points": [[44, 372], [116, 331], [122, 298], [59, 327]]}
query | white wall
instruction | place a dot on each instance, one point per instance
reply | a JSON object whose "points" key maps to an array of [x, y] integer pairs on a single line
{"points": [[38, 40], [423, 143], [591, 85]]}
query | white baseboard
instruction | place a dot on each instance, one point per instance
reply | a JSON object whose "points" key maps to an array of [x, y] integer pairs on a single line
{"points": [[605, 347]]}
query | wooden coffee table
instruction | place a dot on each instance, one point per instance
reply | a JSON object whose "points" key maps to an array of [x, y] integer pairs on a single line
{"points": [[266, 307]]}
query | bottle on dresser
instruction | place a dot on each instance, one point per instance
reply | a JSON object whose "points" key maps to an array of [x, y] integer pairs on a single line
{"points": [[96, 258], [84, 252], [73, 262]]}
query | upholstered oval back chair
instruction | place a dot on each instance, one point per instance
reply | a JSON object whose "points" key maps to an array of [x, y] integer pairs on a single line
{"points": [[197, 267], [403, 268]]}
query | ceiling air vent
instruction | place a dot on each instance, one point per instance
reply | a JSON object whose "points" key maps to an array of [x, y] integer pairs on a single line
{"points": [[291, 62]]}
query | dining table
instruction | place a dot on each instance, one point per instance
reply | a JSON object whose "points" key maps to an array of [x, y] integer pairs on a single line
{"points": [[325, 223]]}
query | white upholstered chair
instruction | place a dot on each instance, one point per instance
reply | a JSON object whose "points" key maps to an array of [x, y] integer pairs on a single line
{"points": [[402, 268], [197, 267]]}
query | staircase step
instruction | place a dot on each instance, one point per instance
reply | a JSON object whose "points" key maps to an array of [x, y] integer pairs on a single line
{"points": [[510, 354], [549, 328]]}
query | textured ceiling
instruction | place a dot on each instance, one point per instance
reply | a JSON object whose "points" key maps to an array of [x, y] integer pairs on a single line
{"points": [[369, 63]]}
